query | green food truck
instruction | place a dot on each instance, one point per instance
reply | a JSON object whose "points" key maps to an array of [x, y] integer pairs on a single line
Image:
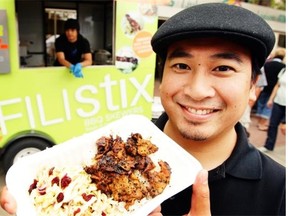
{"points": [[44, 106]]}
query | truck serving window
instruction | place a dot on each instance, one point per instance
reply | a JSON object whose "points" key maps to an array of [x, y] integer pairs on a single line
{"points": [[41, 22]]}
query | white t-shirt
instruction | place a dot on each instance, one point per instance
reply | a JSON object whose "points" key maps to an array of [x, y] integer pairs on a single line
{"points": [[280, 97]]}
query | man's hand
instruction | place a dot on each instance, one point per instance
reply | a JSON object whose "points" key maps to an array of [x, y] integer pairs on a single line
{"points": [[200, 201], [7, 202], [72, 68]]}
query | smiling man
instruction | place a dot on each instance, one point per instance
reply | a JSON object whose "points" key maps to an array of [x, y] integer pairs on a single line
{"points": [[211, 54]]}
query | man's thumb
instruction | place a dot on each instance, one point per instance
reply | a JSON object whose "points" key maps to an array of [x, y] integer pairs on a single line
{"points": [[200, 202]]}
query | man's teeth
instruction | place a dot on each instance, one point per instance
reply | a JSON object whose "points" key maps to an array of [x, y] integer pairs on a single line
{"points": [[200, 111]]}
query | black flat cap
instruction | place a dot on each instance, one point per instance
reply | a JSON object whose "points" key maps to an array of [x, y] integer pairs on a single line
{"points": [[217, 19]]}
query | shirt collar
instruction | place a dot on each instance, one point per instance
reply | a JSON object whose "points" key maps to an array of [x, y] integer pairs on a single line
{"points": [[244, 162]]}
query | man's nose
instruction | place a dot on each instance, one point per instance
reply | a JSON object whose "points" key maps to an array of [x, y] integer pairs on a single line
{"points": [[199, 86]]}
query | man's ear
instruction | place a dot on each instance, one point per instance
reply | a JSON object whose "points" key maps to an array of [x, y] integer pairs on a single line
{"points": [[252, 93]]}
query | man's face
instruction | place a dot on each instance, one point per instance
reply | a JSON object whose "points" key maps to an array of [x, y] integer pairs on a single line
{"points": [[206, 86], [71, 35]]}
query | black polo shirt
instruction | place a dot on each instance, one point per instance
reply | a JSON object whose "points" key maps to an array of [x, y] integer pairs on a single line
{"points": [[73, 51], [247, 183]]}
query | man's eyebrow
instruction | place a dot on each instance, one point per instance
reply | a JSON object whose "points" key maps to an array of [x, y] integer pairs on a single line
{"points": [[178, 53], [228, 55]]}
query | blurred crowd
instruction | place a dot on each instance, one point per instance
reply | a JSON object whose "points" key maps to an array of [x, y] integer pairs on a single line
{"points": [[269, 106]]}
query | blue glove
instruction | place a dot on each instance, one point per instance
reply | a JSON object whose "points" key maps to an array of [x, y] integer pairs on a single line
{"points": [[77, 70], [72, 68]]}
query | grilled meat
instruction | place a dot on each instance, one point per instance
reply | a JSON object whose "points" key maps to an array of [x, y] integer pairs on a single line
{"points": [[124, 170]]}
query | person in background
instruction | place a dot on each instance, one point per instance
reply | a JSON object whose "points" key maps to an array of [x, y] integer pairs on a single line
{"points": [[271, 68], [211, 54], [246, 118], [72, 49], [277, 102]]}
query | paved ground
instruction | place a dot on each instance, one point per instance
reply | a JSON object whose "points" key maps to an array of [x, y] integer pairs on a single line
{"points": [[257, 138]]}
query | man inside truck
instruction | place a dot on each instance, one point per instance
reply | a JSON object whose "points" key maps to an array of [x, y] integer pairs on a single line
{"points": [[72, 49]]}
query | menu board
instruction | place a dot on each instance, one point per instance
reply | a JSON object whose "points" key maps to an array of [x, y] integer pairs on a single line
{"points": [[4, 44]]}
